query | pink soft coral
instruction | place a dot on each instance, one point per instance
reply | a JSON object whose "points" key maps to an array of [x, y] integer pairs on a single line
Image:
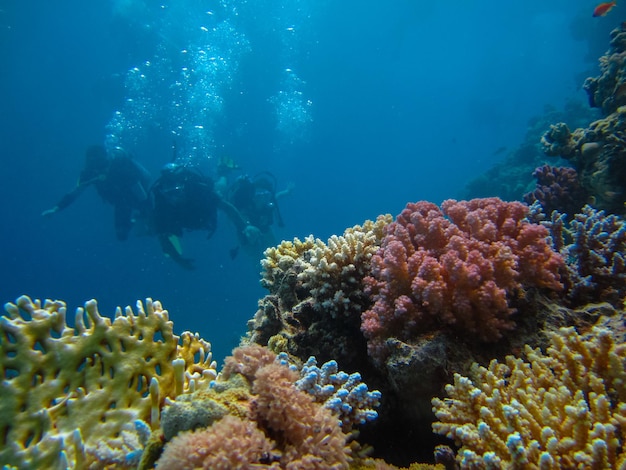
{"points": [[311, 435], [247, 361], [458, 267], [285, 427], [229, 444]]}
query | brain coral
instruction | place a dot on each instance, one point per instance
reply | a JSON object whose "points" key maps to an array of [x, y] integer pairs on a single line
{"points": [[70, 395], [562, 409], [455, 267]]}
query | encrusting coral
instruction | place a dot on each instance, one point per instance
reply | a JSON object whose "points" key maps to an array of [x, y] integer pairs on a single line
{"points": [[86, 397], [562, 409], [493, 263]]}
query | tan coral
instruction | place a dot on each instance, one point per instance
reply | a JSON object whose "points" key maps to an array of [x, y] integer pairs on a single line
{"points": [[329, 272], [69, 394], [336, 269], [316, 293], [562, 409]]}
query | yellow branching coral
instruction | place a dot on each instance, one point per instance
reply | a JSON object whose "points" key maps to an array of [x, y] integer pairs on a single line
{"points": [[283, 256], [562, 409], [71, 396]]}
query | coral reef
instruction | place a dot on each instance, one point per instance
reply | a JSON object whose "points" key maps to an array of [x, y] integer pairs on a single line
{"points": [[608, 91], [596, 153], [557, 188], [75, 397], [457, 268], [316, 295], [131, 394], [511, 176], [561, 409], [286, 421], [417, 365], [595, 150], [110, 393]]}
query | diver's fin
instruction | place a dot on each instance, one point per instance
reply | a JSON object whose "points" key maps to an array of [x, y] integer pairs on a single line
{"points": [[175, 241]]}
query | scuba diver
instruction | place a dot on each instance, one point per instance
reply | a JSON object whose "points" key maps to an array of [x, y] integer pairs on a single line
{"points": [[119, 181], [256, 200], [185, 200]]}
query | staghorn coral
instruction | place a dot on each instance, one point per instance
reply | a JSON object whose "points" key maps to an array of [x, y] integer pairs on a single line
{"points": [[561, 409], [456, 267], [70, 395], [593, 245], [344, 394], [316, 294]]}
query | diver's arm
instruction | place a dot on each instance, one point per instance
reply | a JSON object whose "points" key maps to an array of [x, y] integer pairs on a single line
{"points": [[285, 192], [68, 199], [246, 232], [233, 214]]}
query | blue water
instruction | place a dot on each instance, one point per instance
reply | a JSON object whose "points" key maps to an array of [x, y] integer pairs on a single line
{"points": [[362, 106]]}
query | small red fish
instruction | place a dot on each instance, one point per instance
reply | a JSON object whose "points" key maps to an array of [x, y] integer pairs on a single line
{"points": [[603, 8]]}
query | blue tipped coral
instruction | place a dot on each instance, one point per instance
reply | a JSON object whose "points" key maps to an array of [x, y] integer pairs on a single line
{"points": [[593, 244], [344, 394]]}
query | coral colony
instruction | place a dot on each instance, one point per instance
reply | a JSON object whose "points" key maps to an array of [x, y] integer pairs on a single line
{"points": [[496, 328]]}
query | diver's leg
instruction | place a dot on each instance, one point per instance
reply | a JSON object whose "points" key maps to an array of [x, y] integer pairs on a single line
{"points": [[123, 221]]}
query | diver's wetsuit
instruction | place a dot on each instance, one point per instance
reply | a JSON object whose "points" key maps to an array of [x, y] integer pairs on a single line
{"points": [[184, 200], [119, 181]]}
